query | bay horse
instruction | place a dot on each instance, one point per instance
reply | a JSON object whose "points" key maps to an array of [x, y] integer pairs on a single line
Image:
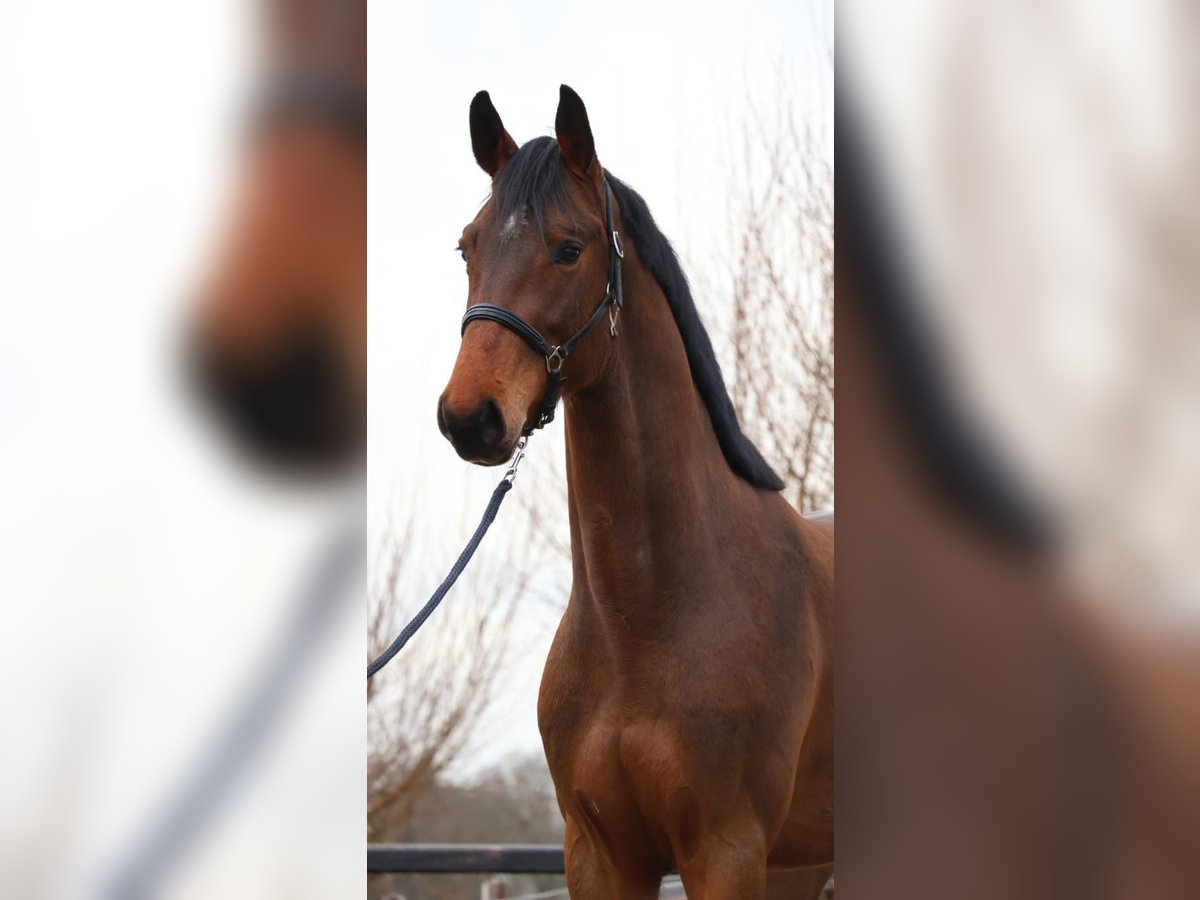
{"points": [[686, 707]]}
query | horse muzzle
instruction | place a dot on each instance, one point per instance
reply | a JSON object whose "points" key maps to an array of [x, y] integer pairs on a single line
{"points": [[479, 435], [292, 407]]}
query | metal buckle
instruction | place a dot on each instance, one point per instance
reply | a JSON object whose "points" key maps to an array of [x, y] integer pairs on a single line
{"points": [[555, 354], [617, 245], [613, 310], [516, 459]]}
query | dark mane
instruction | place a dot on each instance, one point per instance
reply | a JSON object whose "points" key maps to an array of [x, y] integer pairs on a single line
{"points": [[951, 447], [534, 179]]}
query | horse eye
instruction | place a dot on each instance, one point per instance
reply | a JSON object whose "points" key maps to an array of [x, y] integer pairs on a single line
{"points": [[567, 254]]}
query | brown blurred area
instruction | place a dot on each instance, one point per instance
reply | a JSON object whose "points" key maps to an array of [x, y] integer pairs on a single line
{"points": [[1018, 650], [279, 338]]}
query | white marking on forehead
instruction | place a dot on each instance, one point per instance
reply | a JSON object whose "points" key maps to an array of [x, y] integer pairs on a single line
{"points": [[512, 226]]}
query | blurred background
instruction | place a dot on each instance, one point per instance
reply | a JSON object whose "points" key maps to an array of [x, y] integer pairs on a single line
{"points": [[150, 565], [722, 118], [1018, 606], [1042, 160]]}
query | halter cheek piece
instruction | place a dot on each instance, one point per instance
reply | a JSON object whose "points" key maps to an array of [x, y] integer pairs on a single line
{"points": [[556, 354]]}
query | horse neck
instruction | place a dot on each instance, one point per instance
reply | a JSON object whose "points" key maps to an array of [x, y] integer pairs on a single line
{"points": [[648, 486]]}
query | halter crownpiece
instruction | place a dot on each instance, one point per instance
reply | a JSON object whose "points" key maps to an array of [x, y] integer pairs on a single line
{"points": [[556, 354], [310, 93]]}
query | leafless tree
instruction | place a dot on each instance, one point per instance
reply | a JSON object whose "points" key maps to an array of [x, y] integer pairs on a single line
{"points": [[425, 709], [770, 288]]}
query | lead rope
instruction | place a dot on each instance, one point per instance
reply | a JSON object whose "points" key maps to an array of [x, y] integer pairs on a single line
{"points": [[489, 516]]}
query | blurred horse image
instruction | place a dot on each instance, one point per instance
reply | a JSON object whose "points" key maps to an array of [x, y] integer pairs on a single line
{"points": [[999, 735], [279, 343]]}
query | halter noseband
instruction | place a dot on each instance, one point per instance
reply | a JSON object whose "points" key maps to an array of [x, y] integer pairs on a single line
{"points": [[556, 354]]}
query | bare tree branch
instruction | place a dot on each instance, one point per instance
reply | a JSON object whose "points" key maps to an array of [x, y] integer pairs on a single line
{"points": [[773, 291], [424, 711]]}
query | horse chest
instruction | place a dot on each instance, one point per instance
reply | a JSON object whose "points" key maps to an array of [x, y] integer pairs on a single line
{"points": [[622, 786], [649, 732]]}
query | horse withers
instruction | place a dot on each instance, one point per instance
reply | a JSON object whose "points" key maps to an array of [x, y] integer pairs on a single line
{"points": [[686, 707]]}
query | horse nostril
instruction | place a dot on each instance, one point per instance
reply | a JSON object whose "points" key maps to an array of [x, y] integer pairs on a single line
{"points": [[491, 424], [479, 434]]}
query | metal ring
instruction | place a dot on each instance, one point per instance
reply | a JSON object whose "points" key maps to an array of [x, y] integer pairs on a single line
{"points": [[555, 354]]}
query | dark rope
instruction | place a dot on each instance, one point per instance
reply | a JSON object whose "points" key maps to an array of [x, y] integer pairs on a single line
{"points": [[199, 798], [489, 515]]}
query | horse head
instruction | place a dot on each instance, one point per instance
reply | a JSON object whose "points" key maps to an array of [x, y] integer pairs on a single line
{"points": [[539, 252]]}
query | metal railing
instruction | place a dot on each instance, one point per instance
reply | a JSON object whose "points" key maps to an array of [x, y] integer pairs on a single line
{"points": [[490, 859], [482, 859]]}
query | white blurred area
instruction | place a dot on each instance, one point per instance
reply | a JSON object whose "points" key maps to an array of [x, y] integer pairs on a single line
{"points": [[145, 571], [1046, 159]]}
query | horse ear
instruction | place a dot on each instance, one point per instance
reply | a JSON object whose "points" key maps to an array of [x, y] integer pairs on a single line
{"points": [[493, 146], [573, 131]]}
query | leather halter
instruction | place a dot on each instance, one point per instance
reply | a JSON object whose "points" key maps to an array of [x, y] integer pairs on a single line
{"points": [[556, 354], [311, 94]]}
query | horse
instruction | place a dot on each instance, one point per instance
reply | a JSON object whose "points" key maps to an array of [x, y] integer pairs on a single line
{"points": [[1042, 750], [277, 344], [686, 706]]}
